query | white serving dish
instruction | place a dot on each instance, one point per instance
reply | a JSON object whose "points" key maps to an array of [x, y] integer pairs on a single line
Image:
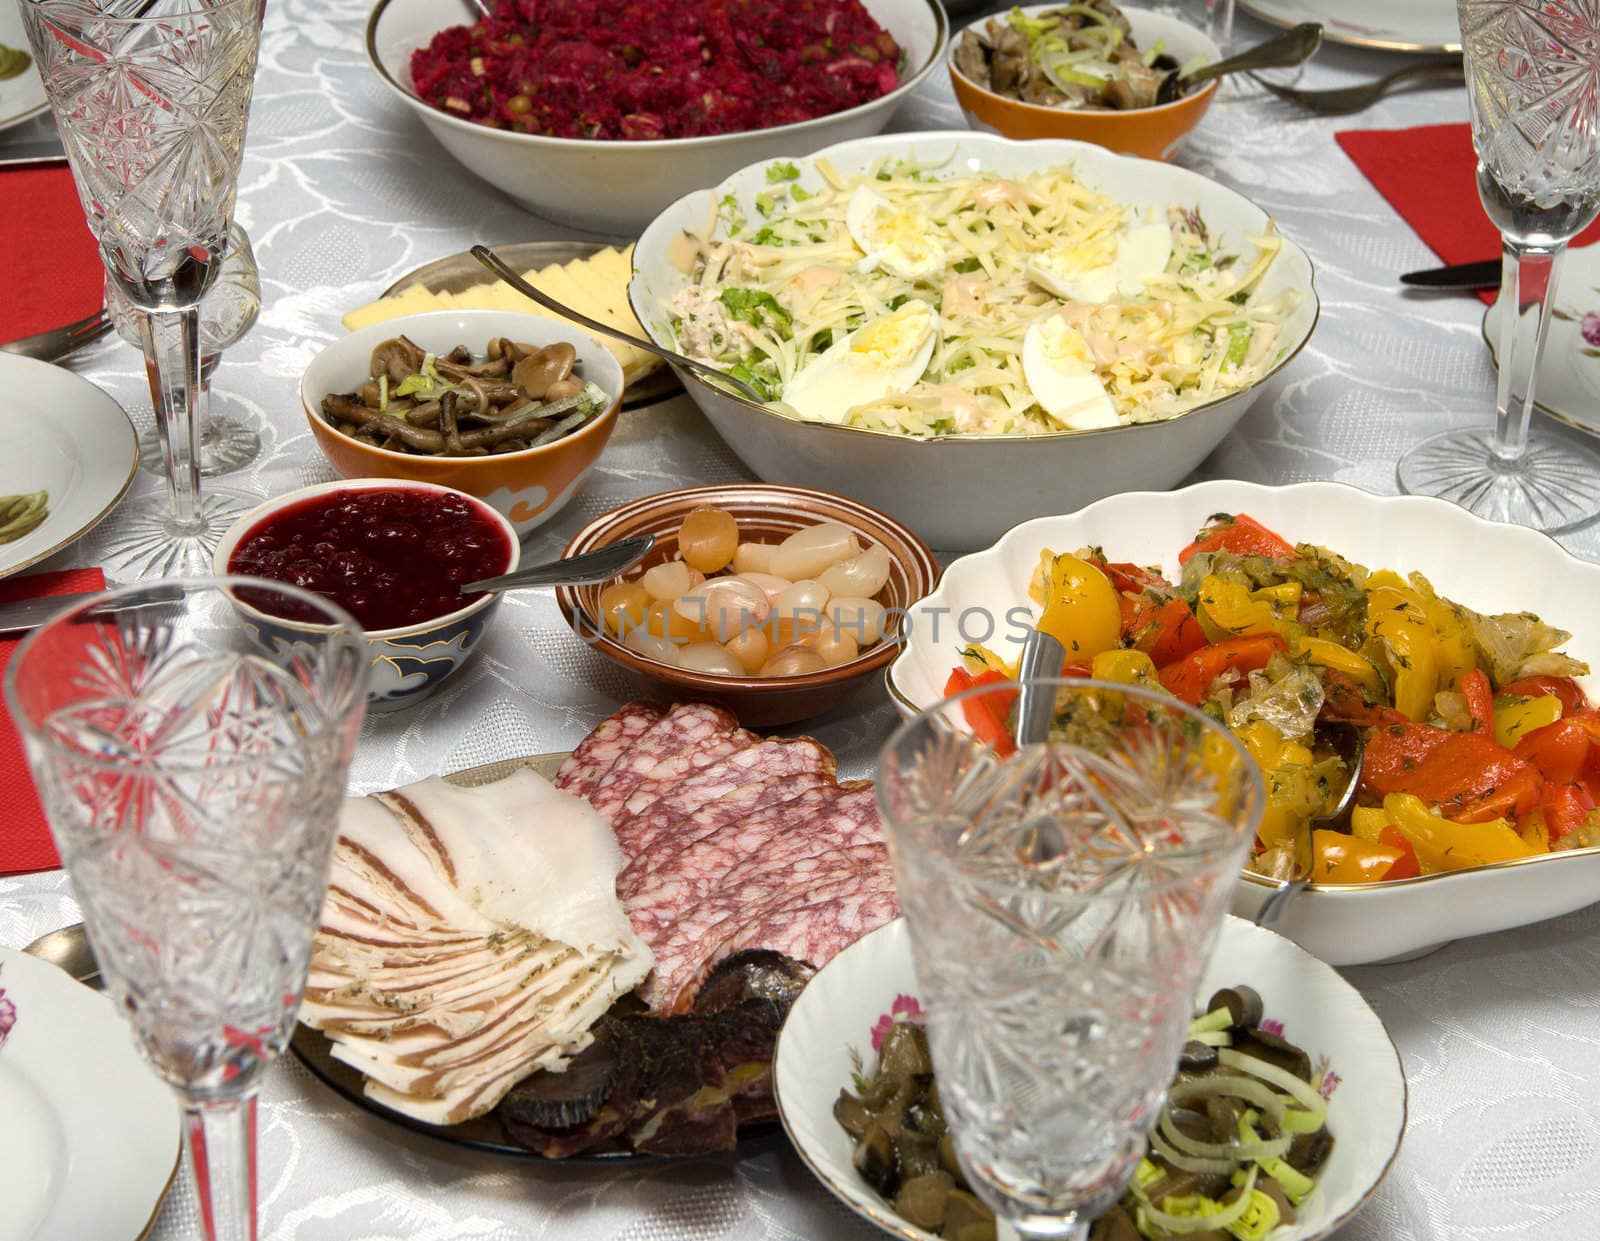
{"points": [[1485, 565], [615, 187], [1320, 1012], [962, 492], [1385, 25]]}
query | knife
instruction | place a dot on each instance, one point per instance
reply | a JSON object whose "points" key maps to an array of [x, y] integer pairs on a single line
{"points": [[1481, 275], [27, 614], [32, 152]]}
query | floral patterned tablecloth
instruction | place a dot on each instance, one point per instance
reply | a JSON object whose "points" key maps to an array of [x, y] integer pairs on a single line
{"points": [[343, 191]]}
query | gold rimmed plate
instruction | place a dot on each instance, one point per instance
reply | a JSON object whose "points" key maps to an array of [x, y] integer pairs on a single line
{"points": [[456, 273], [1381, 25]]}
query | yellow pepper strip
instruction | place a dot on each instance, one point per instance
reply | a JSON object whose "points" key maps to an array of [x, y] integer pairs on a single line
{"points": [[1515, 717], [1443, 845], [1453, 649], [1326, 653], [1233, 610], [1368, 822], [1080, 609], [1284, 765], [1397, 620], [977, 659], [1125, 667], [1535, 831], [1338, 858]]}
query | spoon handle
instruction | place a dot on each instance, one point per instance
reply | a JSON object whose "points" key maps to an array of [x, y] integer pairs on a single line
{"points": [[596, 566], [1042, 656], [1292, 47]]}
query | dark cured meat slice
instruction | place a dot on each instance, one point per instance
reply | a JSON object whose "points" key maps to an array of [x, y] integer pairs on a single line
{"points": [[683, 741], [645, 843], [600, 749]]}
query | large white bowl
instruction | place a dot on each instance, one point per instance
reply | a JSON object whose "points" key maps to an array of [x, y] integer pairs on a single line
{"points": [[1320, 1012], [961, 492], [1484, 565], [614, 186]]}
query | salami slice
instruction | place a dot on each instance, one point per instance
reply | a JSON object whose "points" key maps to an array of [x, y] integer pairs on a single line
{"points": [[667, 825], [681, 742], [604, 746]]}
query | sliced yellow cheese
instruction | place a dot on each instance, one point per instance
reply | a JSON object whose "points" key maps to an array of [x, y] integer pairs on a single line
{"points": [[597, 286]]}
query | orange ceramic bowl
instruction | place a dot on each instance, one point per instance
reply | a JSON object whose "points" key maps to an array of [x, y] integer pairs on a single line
{"points": [[528, 488], [1150, 133], [766, 513]]}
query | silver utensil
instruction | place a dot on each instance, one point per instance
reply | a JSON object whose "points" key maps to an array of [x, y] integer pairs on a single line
{"points": [[1042, 656], [500, 268], [68, 949], [58, 342], [1484, 274], [25, 614], [595, 566], [1293, 47], [45, 150], [1346, 741], [1344, 100]]}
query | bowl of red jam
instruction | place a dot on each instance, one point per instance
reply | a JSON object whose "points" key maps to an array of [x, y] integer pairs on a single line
{"points": [[393, 555]]}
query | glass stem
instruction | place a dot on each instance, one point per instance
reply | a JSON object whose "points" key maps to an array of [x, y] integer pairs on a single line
{"points": [[171, 341], [1527, 291], [221, 1137], [1039, 1229]]}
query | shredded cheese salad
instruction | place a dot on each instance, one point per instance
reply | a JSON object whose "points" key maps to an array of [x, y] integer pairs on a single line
{"points": [[898, 299]]}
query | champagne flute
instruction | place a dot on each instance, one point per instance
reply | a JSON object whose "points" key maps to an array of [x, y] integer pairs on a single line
{"points": [[152, 109], [229, 309], [191, 758], [1533, 94], [1062, 902]]}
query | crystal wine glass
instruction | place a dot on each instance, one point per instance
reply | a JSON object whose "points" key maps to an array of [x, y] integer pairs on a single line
{"points": [[229, 309], [191, 757], [1533, 85], [1062, 903], [1214, 17], [151, 101]]}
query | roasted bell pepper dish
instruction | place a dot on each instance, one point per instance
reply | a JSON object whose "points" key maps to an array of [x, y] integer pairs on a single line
{"points": [[1480, 744]]}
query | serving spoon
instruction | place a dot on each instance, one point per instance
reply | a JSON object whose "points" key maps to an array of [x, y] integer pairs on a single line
{"points": [[500, 268], [1346, 741], [1283, 51], [597, 566]]}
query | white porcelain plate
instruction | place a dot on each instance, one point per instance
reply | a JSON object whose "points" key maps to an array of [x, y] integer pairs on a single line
{"points": [[1484, 565], [21, 97], [90, 1137], [63, 434], [1568, 384], [1389, 25], [1320, 1012]]}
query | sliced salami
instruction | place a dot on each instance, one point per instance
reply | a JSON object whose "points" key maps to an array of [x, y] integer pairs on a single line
{"points": [[681, 742], [666, 825], [604, 746]]}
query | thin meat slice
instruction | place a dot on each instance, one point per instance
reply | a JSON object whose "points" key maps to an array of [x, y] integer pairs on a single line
{"points": [[684, 740], [659, 834], [597, 752]]}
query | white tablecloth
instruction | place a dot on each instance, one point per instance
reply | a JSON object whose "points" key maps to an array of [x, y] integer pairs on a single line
{"points": [[343, 191]]}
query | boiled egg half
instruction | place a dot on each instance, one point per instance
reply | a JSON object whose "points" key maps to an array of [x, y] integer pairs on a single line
{"points": [[1059, 367], [1098, 273], [898, 240], [886, 355]]}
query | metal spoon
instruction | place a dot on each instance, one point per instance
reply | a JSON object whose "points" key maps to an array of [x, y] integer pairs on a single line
{"points": [[1042, 656], [68, 949], [1346, 741], [499, 267], [595, 566], [1292, 47]]}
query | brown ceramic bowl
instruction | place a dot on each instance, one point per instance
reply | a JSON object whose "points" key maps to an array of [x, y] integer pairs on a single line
{"points": [[1150, 133], [766, 513]]}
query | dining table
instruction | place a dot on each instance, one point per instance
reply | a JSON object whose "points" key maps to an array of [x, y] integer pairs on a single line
{"points": [[343, 191]]}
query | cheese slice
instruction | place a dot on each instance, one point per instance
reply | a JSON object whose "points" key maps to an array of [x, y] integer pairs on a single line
{"points": [[597, 286]]}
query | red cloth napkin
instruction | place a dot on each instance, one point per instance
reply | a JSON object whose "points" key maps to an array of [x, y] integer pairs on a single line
{"points": [[1429, 175], [25, 843], [50, 260]]}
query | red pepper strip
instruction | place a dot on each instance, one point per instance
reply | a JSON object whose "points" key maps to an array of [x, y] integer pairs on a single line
{"points": [[1394, 752], [1240, 534], [1515, 795], [1173, 633], [1566, 808], [1192, 677], [1137, 612], [1406, 867], [1344, 701], [1564, 688], [1558, 750], [1132, 579], [1078, 670], [980, 711], [1475, 688]]}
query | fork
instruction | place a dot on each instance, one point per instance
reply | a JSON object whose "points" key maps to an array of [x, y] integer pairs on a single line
{"points": [[1343, 100], [58, 342]]}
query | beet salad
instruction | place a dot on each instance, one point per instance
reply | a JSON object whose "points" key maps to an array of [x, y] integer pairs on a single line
{"points": [[635, 69]]}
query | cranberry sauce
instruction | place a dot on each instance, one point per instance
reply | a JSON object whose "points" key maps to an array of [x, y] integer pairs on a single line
{"points": [[390, 558]]}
